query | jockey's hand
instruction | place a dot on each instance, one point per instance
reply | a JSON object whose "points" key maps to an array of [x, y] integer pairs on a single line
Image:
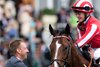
{"points": [[91, 52], [85, 48], [76, 44]]}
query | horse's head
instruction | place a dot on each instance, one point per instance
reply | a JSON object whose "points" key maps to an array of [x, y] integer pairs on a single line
{"points": [[65, 56], [57, 46]]}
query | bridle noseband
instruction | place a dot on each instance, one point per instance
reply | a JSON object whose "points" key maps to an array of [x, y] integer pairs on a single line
{"points": [[57, 60]]}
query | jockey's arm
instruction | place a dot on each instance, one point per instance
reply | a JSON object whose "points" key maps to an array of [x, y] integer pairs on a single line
{"points": [[88, 36]]}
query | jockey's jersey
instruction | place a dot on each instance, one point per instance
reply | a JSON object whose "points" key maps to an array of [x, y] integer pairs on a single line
{"points": [[89, 33]]}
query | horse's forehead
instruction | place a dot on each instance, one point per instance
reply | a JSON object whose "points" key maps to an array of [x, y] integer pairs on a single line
{"points": [[57, 44], [57, 49], [57, 41]]}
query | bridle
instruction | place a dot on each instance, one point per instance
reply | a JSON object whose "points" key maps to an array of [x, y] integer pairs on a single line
{"points": [[61, 37], [65, 61], [57, 60]]}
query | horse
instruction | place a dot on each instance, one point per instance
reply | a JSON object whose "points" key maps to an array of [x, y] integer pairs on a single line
{"points": [[65, 56]]}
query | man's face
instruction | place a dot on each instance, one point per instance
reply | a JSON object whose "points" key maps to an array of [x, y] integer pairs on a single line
{"points": [[80, 15], [23, 50]]}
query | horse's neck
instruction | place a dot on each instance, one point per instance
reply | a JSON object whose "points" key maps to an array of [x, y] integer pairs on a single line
{"points": [[77, 57]]}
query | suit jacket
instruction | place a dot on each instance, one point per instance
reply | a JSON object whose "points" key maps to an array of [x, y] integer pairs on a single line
{"points": [[14, 62]]}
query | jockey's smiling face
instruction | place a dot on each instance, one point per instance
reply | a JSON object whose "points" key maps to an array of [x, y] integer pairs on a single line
{"points": [[80, 15]]}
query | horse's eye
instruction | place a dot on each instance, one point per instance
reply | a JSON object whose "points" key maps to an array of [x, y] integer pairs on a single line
{"points": [[65, 48]]}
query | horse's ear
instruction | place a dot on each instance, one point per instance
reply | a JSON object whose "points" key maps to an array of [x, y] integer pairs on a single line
{"points": [[51, 29], [67, 29]]}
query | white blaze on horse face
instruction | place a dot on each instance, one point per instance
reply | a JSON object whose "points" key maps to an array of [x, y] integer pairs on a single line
{"points": [[57, 47]]}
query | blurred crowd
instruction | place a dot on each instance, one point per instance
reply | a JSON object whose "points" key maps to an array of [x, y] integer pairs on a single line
{"points": [[17, 21]]}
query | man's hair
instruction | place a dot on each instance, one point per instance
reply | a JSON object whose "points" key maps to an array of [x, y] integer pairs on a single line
{"points": [[14, 45]]}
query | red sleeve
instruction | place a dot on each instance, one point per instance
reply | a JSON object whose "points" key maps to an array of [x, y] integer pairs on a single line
{"points": [[88, 36]]}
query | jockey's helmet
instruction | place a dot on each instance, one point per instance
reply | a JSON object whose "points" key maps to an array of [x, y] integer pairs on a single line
{"points": [[83, 6]]}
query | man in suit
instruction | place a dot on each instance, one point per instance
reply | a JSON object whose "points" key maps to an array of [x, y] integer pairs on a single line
{"points": [[19, 50]]}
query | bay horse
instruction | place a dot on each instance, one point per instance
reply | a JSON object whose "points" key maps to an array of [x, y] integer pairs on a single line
{"points": [[65, 56]]}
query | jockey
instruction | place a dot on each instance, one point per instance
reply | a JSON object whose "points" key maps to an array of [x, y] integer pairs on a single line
{"points": [[88, 27]]}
